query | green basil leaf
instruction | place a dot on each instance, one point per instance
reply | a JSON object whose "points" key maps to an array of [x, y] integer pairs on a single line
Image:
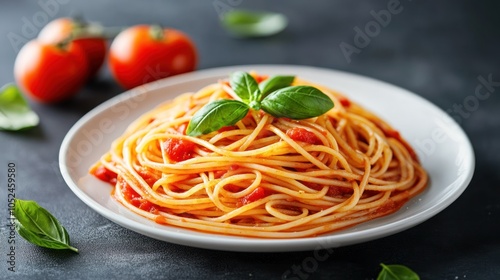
{"points": [[216, 115], [274, 83], [15, 113], [38, 226], [297, 102], [240, 23], [397, 272], [245, 86]]}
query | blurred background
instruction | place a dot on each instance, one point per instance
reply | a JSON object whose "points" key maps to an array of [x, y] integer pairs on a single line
{"points": [[427, 42], [436, 49]]}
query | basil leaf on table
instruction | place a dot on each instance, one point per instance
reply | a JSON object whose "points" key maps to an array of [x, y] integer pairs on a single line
{"points": [[245, 86], [38, 226], [216, 115], [15, 112], [397, 272], [297, 102], [248, 24], [274, 83]]}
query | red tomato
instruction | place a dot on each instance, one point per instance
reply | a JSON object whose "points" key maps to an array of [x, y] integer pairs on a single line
{"points": [[144, 53], [255, 195], [303, 135], [60, 29], [105, 175], [50, 73], [179, 149], [344, 101]]}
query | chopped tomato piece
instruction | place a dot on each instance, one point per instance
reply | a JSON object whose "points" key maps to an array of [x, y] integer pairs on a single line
{"points": [[255, 195], [179, 149], [128, 193], [259, 78], [219, 173], [106, 175], [232, 188], [302, 135], [161, 220], [344, 101], [233, 167]]}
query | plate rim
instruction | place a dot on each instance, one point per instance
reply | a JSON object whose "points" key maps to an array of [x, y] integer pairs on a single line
{"points": [[217, 241]]}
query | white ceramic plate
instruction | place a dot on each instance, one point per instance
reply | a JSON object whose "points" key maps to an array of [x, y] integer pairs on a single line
{"points": [[442, 146]]}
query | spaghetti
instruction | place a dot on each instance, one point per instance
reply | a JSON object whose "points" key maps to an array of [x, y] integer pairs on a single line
{"points": [[263, 177]]}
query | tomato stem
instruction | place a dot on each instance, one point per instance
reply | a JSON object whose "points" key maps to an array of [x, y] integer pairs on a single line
{"points": [[156, 32], [63, 44], [84, 29], [79, 22]]}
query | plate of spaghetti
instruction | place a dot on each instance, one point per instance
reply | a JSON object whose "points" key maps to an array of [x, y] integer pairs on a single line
{"points": [[267, 158]]}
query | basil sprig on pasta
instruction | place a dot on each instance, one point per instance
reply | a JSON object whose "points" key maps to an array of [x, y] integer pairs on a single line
{"points": [[274, 96]]}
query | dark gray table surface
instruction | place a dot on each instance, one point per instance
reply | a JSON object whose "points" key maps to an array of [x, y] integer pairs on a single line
{"points": [[437, 49]]}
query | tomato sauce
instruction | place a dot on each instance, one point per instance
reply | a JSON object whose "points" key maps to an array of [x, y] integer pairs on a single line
{"points": [[391, 133], [135, 199], [334, 191], [390, 206], [147, 175]]}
